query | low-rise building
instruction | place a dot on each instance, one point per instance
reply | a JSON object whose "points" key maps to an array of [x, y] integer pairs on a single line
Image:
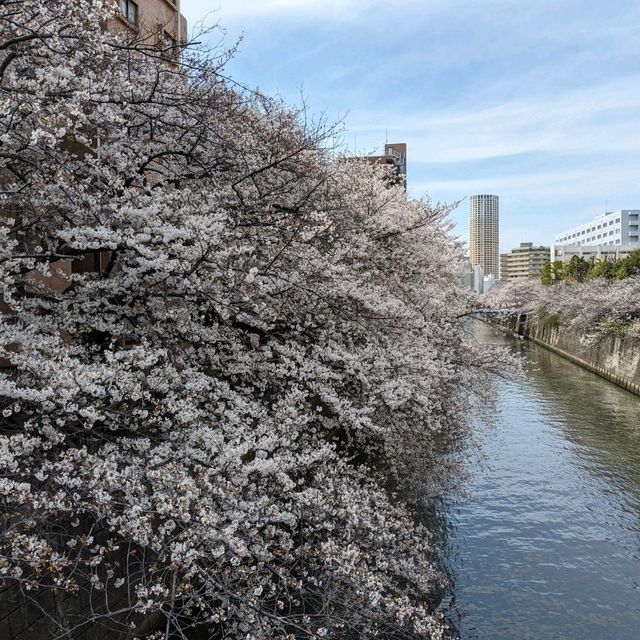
{"points": [[478, 279], [465, 279], [472, 277], [524, 262], [564, 253]]}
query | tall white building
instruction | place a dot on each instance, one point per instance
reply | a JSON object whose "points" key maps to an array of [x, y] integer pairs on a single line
{"points": [[488, 283], [610, 228], [472, 277], [484, 234]]}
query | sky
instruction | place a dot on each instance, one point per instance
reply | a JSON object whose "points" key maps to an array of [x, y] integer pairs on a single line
{"points": [[536, 101]]}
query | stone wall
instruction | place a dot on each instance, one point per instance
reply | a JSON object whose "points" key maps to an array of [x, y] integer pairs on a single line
{"points": [[614, 357]]}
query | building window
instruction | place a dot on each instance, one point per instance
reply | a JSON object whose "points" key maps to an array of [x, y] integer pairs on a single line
{"points": [[129, 10], [167, 45]]}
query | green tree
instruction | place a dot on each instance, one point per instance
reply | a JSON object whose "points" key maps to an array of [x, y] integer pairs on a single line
{"points": [[628, 266], [603, 268], [553, 272], [577, 269], [558, 271]]}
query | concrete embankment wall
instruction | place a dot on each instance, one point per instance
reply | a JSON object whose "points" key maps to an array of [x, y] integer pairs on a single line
{"points": [[614, 357]]}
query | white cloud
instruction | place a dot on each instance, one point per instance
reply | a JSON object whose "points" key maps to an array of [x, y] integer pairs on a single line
{"points": [[535, 206], [600, 119], [591, 181], [508, 74]]}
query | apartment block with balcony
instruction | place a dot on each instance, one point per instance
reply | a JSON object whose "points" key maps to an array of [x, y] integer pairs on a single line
{"points": [[157, 24], [524, 262]]}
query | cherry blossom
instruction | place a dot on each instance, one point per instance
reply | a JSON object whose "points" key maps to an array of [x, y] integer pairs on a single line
{"points": [[221, 342]]}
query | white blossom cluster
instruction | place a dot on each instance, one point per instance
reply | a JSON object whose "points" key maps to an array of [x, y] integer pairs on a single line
{"points": [[219, 348]]}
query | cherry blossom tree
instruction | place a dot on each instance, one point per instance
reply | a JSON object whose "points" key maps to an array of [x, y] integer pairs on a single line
{"points": [[512, 294], [596, 307], [221, 345], [592, 308]]}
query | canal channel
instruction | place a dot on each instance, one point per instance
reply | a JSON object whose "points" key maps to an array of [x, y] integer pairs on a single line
{"points": [[545, 541]]}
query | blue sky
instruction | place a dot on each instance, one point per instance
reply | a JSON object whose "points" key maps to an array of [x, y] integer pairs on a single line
{"points": [[537, 101]]}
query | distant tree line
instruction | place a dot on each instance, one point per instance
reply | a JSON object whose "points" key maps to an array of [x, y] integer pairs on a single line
{"points": [[580, 269]]}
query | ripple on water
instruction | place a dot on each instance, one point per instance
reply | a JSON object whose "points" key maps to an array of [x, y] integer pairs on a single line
{"points": [[547, 544]]}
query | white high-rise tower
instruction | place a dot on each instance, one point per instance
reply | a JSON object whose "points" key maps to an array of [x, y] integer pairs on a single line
{"points": [[484, 233]]}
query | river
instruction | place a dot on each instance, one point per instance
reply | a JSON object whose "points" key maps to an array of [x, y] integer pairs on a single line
{"points": [[545, 543]]}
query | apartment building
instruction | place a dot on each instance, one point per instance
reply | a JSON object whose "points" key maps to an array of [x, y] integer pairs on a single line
{"points": [[158, 23], [151, 23], [610, 228], [484, 232], [524, 262]]}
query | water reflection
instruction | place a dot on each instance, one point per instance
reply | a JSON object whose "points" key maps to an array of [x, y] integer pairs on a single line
{"points": [[547, 544]]}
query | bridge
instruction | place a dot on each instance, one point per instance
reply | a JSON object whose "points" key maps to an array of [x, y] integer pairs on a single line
{"points": [[491, 312]]}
